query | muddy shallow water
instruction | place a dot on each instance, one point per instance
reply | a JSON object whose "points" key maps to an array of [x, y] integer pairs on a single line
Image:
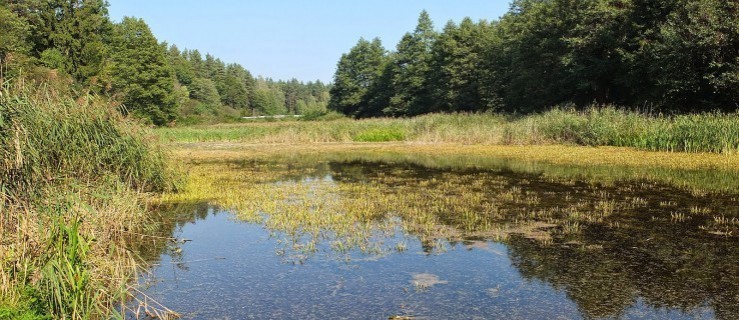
{"points": [[368, 239]]}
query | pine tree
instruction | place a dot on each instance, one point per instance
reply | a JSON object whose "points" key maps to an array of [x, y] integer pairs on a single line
{"points": [[410, 70], [235, 87], [181, 67], [356, 73], [196, 61]]}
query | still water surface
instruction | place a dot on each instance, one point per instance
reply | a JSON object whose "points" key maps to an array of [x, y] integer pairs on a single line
{"points": [[514, 245]]}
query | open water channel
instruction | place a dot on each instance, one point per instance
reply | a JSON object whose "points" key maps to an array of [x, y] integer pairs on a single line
{"points": [[378, 238]]}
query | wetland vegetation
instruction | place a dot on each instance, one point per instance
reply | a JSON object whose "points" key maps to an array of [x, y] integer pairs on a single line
{"points": [[649, 246], [598, 126], [75, 177], [581, 157]]}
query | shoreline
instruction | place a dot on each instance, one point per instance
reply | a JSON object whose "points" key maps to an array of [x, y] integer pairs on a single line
{"points": [[555, 153]]}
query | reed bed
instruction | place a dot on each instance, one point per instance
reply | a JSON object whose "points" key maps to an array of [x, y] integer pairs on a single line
{"points": [[596, 126], [74, 183]]}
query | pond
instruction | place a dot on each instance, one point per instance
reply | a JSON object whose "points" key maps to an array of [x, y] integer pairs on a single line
{"points": [[390, 238]]}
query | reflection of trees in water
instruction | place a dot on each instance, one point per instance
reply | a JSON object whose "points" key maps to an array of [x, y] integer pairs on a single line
{"points": [[165, 222], [605, 270], [710, 180], [668, 264], [607, 279]]}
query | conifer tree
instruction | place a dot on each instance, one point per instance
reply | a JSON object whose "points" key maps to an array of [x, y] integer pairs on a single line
{"points": [[410, 70], [356, 73], [236, 87]]}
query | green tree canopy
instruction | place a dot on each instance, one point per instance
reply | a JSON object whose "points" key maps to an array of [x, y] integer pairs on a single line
{"points": [[698, 55], [356, 73], [268, 98], [74, 30], [13, 39], [411, 70], [140, 74], [236, 86], [204, 90], [459, 68]]}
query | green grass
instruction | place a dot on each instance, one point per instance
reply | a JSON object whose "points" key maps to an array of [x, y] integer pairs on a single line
{"points": [[66, 275], [74, 178], [45, 137], [705, 132], [596, 126], [380, 134]]}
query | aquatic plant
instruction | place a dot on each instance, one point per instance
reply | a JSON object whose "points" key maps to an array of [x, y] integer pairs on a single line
{"points": [[360, 200]]}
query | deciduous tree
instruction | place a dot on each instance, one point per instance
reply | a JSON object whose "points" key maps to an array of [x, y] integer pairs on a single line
{"points": [[142, 78]]}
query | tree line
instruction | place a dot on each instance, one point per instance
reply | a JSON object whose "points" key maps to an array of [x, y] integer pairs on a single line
{"points": [[74, 44], [663, 55]]}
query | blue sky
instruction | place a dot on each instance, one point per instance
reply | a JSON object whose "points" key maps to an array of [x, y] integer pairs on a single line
{"points": [[285, 39]]}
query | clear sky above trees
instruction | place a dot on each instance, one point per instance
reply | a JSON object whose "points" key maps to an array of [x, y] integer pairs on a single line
{"points": [[292, 38]]}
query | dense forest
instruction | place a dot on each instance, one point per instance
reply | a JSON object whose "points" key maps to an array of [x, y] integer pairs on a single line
{"points": [[73, 45], [670, 56]]}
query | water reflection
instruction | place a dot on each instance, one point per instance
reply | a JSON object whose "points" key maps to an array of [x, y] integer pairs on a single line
{"points": [[340, 237]]}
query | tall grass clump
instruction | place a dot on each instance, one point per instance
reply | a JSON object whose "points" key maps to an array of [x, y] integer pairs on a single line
{"points": [[74, 177], [706, 132], [606, 126], [610, 126], [45, 136]]}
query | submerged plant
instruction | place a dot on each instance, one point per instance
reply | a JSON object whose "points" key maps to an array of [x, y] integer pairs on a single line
{"points": [[358, 200]]}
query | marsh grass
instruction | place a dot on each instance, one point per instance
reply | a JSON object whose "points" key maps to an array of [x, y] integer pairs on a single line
{"points": [[596, 126], [66, 276], [74, 177], [46, 136], [365, 201], [699, 173]]}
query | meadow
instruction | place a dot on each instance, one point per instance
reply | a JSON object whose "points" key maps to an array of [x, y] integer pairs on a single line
{"points": [[595, 126]]}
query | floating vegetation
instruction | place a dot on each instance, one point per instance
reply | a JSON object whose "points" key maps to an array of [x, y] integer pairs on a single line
{"points": [[343, 206], [424, 281], [616, 246], [702, 174]]}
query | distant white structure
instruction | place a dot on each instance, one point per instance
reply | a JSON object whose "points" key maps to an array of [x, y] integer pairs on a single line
{"points": [[277, 116]]}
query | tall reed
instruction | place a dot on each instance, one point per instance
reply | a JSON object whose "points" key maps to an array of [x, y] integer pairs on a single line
{"points": [[46, 136], [74, 175]]}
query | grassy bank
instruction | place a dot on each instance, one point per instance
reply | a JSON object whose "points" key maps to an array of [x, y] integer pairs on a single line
{"points": [[74, 178], [607, 126]]}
